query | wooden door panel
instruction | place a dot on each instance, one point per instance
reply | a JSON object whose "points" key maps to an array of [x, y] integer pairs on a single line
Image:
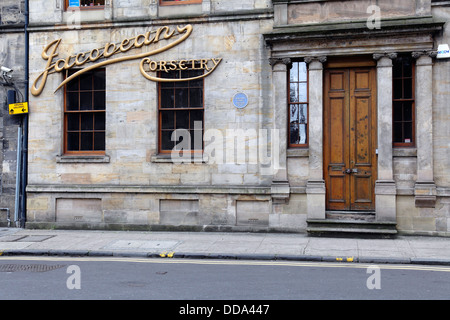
{"points": [[337, 132], [362, 132], [349, 138], [336, 139], [337, 192]]}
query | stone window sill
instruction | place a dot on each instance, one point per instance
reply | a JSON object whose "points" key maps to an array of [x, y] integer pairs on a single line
{"points": [[297, 152], [404, 152], [167, 158], [82, 159]]}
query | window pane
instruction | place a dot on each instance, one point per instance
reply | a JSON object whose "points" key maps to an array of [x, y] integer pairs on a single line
{"points": [[86, 81], [293, 95], [99, 80], [303, 114], [167, 120], [99, 100], [302, 134], [72, 102], [303, 72], [99, 141], [167, 98], [407, 132], [181, 98], [294, 134], [407, 67], [73, 85], [168, 75], [99, 121], [85, 100], [167, 84], [166, 143], [398, 111], [86, 141], [407, 87], [398, 94], [182, 120], [182, 84], [195, 73], [73, 141], [87, 121], [397, 69], [196, 98], [303, 96], [407, 111], [294, 113], [196, 83], [398, 135], [196, 116], [293, 73], [73, 122]]}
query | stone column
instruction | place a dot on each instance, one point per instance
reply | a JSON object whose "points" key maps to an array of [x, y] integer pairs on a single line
{"points": [[425, 188], [280, 184], [385, 190], [315, 187]]}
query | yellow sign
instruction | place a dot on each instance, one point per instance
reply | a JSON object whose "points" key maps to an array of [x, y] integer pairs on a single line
{"points": [[18, 108]]}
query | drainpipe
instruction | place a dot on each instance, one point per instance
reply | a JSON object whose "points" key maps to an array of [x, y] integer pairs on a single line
{"points": [[25, 125], [18, 178]]}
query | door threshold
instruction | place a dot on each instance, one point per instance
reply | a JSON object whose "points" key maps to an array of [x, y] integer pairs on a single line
{"points": [[350, 215]]}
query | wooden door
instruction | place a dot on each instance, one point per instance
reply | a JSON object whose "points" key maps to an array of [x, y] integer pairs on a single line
{"points": [[350, 138]]}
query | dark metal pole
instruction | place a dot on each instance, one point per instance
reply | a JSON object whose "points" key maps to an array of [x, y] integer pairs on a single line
{"points": [[23, 216]]}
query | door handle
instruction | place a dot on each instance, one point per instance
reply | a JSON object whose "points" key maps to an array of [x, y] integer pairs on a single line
{"points": [[349, 171]]}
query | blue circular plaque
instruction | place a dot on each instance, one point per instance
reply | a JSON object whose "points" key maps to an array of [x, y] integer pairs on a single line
{"points": [[240, 100]]}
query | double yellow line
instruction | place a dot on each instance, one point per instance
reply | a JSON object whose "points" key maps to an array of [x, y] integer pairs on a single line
{"points": [[235, 262]]}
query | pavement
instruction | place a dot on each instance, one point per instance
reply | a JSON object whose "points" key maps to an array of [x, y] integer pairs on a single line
{"points": [[218, 245]]}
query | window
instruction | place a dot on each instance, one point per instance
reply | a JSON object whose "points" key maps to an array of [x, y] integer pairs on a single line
{"points": [[84, 113], [298, 105], [176, 2], [85, 4], [403, 102], [181, 106]]}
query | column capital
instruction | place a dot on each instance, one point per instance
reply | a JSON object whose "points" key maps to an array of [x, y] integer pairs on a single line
{"points": [[274, 61], [429, 53], [320, 59], [390, 55]]}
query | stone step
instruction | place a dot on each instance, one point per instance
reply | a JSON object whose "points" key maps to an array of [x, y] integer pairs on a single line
{"points": [[351, 215], [351, 223]]}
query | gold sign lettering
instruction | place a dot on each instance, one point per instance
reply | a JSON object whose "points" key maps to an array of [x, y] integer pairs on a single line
{"points": [[208, 65], [50, 53]]}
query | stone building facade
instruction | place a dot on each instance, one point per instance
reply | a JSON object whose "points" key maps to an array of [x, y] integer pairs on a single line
{"points": [[12, 55], [315, 115]]}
